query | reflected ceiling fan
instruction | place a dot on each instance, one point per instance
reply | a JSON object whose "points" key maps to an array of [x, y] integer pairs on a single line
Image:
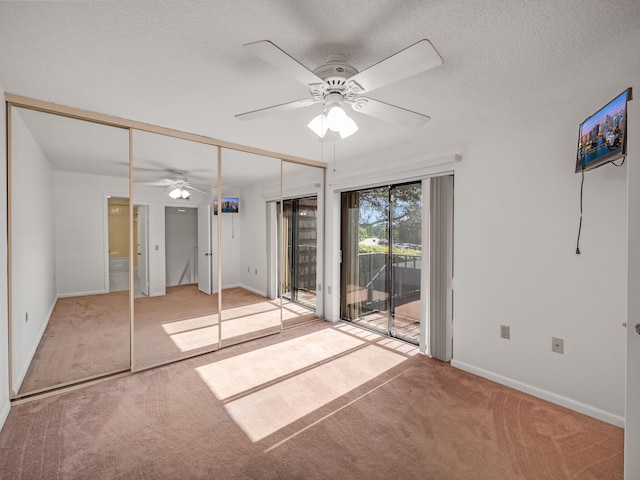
{"points": [[336, 84], [178, 186]]}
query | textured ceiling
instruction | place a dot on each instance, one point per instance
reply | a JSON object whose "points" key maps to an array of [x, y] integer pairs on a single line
{"points": [[181, 64]]}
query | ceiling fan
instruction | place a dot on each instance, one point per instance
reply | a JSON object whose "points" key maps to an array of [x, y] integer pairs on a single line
{"points": [[336, 84], [178, 186]]}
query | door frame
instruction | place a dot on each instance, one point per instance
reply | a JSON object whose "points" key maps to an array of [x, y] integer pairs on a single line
{"points": [[147, 207], [206, 211]]}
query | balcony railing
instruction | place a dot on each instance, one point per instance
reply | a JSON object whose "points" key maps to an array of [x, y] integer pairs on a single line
{"points": [[372, 277]]}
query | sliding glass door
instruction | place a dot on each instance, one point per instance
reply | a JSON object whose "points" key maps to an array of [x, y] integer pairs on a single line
{"points": [[299, 255], [406, 260], [382, 259]]}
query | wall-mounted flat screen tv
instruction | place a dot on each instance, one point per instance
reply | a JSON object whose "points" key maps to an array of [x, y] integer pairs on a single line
{"points": [[602, 137], [229, 205]]}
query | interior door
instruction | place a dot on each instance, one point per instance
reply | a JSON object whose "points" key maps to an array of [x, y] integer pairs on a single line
{"points": [[204, 249], [143, 250]]}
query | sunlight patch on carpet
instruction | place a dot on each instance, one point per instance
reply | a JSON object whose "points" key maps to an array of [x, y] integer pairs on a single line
{"points": [[251, 309], [270, 409], [190, 324], [242, 373], [399, 346], [249, 323], [291, 309], [194, 339], [359, 332]]}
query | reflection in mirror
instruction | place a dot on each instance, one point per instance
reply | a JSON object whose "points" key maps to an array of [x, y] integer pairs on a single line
{"points": [[250, 192], [299, 237], [69, 252], [175, 279]]}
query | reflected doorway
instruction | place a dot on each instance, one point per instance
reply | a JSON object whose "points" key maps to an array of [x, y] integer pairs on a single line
{"points": [[181, 246], [382, 259], [118, 228], [299, 250]]}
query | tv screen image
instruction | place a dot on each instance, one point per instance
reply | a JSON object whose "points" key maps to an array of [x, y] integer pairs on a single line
{"points": [[602, 137], [229, 205]]}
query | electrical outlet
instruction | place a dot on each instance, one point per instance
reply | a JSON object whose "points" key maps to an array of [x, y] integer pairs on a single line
{"points": [[504, 332], [26, 316], [557, 345]]}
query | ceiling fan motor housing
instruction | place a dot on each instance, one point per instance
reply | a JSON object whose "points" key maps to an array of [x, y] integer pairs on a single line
{"points": [[336, 74]]}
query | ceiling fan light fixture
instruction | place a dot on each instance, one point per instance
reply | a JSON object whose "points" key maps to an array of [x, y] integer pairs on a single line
{"points": [[336, 118], [319, 125], [179, 192], [348, 128]]}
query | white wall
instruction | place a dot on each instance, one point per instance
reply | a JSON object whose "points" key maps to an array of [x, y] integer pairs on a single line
{"points": [[81, 231], [516, 217], [33, 292], [516, 220], [251, 265], [181, 235], [4, 340], [234, 234]]}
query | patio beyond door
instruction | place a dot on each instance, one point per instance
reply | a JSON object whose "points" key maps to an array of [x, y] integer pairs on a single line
{"points": [[382, 259]]}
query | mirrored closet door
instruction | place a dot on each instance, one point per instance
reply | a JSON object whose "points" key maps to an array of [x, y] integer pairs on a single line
{"points": [[68, 246], [176, 262], [299, 235], [132, 246], [247, 222]]}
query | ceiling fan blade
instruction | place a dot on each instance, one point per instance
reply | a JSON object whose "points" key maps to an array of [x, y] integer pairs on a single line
{"points": [[389, 113], [276, 109], [417, 58], [211, 180], [189, 187], [160, 183], [280, 59]]}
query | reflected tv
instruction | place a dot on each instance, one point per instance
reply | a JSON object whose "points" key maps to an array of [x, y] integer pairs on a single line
{"points": [[229, 205], [602, 137]]}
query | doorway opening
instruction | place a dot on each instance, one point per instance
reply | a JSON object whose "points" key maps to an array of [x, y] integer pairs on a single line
{"points": [[181, 245], [118, 235], [382, 259]]}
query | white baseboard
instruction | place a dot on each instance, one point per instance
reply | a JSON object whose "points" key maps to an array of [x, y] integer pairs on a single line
{"points": [[81, 294], [4, 413], [17, 382], [608, 417], [258, 292]]}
